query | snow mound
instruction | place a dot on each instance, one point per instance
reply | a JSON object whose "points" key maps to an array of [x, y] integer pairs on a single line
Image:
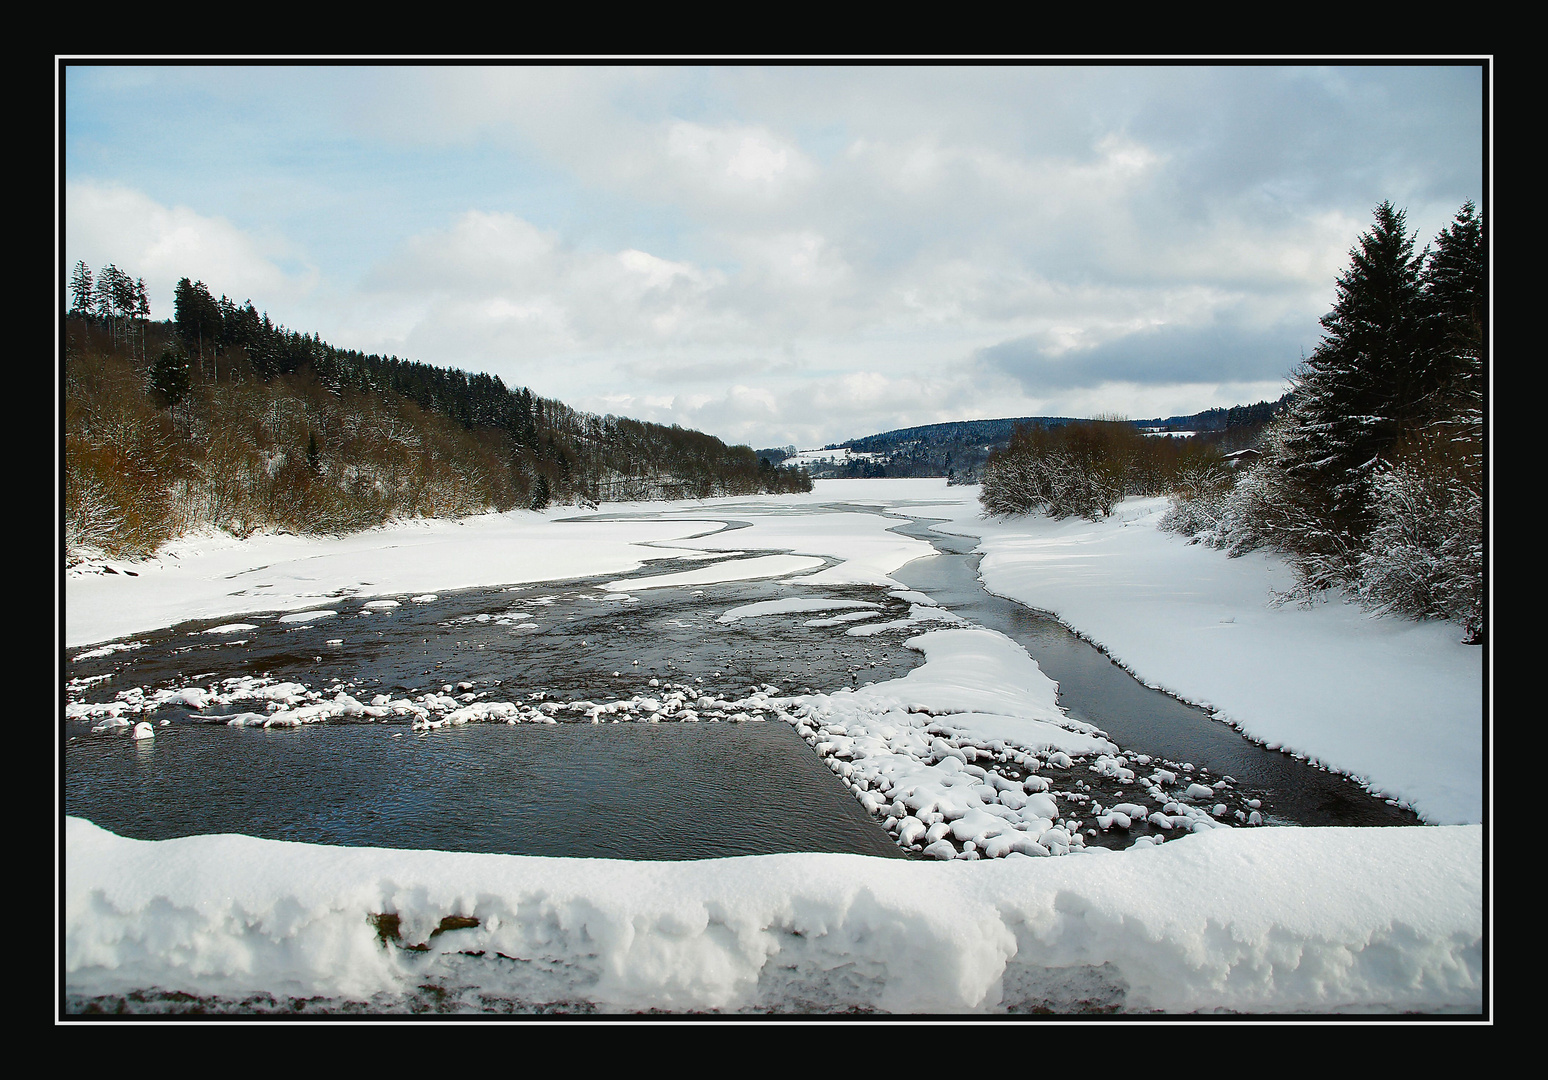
{"points": [[1268, 921]]}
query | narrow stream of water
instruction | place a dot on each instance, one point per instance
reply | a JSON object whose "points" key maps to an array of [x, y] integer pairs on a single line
{"points": [[1094, 688]]}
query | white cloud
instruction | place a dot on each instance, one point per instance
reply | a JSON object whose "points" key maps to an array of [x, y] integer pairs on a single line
{"points": [[110, 223], [811, 410], [734, 161], [498, 283], [1136, 401], [1125, 158], [789, 253]]}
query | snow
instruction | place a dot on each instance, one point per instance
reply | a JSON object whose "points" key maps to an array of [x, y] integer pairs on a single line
{"points": [[1269, 921], [1262, 920], [792, 604], [1397, 703], [917, 613], [213, 576], [761, 566], [306, 616], [840, 620], [109, 650]]}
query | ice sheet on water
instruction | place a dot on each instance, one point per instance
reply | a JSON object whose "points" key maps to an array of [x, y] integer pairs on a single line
{"points": [[761, 566], [792, 605], [108, 650], [306, 616]]}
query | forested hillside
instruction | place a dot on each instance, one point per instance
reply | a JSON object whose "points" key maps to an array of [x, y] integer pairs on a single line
{"points": [[956, 451], [222, 418]]}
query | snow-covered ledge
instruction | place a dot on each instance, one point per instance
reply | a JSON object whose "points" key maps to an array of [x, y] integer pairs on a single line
{"points": [[1261, 921]]}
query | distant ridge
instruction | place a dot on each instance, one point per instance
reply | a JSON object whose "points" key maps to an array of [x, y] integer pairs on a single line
{"points": [[959, 430], [957, 449]]}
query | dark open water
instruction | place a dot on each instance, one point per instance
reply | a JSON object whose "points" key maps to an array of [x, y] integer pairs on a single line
{"points": [[628, 790]]}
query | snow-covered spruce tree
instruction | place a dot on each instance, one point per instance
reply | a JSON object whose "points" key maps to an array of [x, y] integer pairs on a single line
{"points": [[1456, 305], [1424, 554], [1372, 481], [1358, 393]]}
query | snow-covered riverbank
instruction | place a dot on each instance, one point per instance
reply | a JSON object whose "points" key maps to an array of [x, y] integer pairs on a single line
{"points": [[1267, 920], [1396, 703]]}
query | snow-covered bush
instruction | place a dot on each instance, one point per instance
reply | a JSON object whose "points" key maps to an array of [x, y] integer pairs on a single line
{"points": [[1235, 509], [1269, 505], [1080, 469], [1201, 497], [1424, 558]]}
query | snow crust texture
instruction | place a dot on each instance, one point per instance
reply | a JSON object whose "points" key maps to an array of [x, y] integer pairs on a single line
{"points": [[1269, 920]]}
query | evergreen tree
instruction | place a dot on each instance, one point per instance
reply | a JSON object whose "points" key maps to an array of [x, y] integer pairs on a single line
{"points": [[141, 311], [1454, 282], [1356, 396], [1372, 478], [1425, 555], [169, 376], [1456, 308], [81, 290], [197, 315], [121, 286], [102, 303]]}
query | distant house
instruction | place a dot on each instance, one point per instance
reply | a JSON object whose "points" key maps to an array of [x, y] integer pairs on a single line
{"points": [[1238, 458]]}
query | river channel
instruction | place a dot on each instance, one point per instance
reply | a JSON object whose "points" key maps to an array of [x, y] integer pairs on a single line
{"points": [[1095, 689], [737, 780]]}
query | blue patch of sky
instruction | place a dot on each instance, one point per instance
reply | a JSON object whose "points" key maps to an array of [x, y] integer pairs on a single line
{"points": [[264, 149]]}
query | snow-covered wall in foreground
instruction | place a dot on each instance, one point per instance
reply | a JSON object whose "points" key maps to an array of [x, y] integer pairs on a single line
{"points": [[1265, 920]]}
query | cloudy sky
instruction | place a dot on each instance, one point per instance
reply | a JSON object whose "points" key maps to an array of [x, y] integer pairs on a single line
{"points": [[779, 254]]}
